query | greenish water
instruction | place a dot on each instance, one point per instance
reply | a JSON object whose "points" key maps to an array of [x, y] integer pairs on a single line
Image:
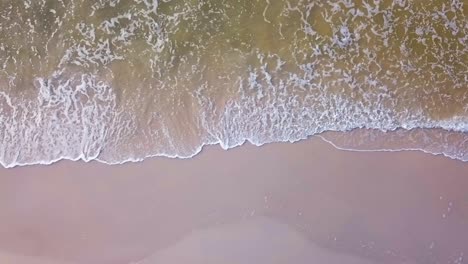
{"points": [[121, 80]]}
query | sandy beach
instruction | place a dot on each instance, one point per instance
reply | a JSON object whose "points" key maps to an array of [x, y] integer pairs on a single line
{"points": [[280, 203]]}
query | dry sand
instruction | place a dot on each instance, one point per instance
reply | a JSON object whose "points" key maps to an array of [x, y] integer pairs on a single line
{"points": [[280, 203]]}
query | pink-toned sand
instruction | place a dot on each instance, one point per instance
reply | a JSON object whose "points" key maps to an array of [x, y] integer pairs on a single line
{"points": [[280, 203]]}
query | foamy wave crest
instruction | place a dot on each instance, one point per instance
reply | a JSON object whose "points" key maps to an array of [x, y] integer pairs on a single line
{"points": [[63, 119], [78, 118]]}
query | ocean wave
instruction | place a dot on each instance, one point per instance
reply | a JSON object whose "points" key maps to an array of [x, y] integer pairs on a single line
{"points": [[117, 80]]}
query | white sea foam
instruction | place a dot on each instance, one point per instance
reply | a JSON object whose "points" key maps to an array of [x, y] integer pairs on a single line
{"points": [[165, 78], [70, 119]]}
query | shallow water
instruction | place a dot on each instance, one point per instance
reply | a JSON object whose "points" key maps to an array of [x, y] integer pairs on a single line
{"points": [[121, 80]]}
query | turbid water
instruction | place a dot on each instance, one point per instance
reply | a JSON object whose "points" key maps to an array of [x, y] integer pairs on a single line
{"points": [[122, 80]]}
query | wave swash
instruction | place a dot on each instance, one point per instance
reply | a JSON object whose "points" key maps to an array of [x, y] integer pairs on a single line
{"points": [[122, 80]]}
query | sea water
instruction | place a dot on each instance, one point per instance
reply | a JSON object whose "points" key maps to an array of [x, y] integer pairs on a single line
{"points": [[122, 80]]}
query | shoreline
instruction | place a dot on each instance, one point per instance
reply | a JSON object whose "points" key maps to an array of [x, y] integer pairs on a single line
{"points": [[321, 136]]}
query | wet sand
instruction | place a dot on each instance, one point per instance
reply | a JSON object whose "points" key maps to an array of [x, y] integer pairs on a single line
{"points": [[280, 203]]}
